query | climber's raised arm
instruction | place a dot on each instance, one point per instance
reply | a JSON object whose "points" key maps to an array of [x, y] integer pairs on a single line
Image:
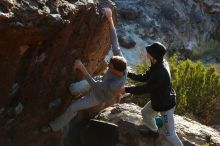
{"points": [[113, 35], [78, 65]]}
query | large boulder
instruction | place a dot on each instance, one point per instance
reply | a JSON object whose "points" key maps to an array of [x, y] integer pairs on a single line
{"points": [[128, 117], [39, 41], [126, 41]]}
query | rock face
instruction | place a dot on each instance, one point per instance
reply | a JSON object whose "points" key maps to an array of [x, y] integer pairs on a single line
{"points": [[39, 41], [179, 24], [128, 118]]}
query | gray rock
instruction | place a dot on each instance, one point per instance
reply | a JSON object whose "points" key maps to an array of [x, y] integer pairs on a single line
{"points": [[169, 13], [128, 118], [211, 6], [126, 42], [197, 17], [129, 13]]}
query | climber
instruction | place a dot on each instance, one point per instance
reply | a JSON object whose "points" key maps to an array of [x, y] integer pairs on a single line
{"points": [[157, 82], [98, 90]]}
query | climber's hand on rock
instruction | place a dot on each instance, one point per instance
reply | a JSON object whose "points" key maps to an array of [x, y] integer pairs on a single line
{"points": [[78, 64], [108, 13]]}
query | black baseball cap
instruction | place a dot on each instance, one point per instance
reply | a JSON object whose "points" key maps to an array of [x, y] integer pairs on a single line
{"points": [[156, 50]]}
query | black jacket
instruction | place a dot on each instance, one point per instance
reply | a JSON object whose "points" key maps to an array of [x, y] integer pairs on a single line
{"points": [[158, 84]]}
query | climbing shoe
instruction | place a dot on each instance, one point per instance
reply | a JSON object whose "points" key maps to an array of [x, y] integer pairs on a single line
{"points": [[45, 129], [159, 121]]}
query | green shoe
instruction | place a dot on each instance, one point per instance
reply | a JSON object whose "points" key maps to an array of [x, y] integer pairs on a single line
{"points": [[46, 129], [159, 121]]}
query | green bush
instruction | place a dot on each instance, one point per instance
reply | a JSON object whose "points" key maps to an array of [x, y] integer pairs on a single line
{"points": [[197, 88]]}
